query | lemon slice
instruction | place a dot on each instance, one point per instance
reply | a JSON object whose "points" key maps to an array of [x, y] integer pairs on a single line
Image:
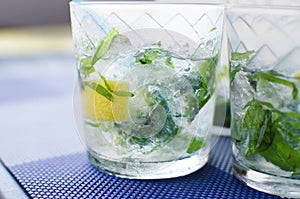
{"points": [[297, 74], [97, 107]]}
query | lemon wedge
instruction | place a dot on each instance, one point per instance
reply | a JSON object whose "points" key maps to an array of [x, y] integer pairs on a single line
{"points": [[98, 108], [297, 74]]}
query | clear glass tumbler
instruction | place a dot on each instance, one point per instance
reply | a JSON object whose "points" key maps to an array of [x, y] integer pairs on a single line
{"points": [[147, 80], [264, 52]]}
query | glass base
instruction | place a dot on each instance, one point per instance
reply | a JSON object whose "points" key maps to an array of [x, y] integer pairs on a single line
{"points": [[281, 186], [149, 170]]}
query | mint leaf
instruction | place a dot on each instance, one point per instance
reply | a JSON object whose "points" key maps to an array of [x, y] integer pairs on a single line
{"points": [[237, 61], [275, 79], [87, 63], [123, 93], [234, 72], [86, 66], [107, 91], [213, 29], [235, 56], [87, 71], [104, 45], [256, 125], [281, 153], [168, 61], [99, 89], [105, 82], [273, 134], [265, 130], [148, 55], [207, 78], [195, 145], [92, 124]]}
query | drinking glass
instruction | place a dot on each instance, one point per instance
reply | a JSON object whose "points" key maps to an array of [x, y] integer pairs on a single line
{"points": [[146, 72], [264, 51]]}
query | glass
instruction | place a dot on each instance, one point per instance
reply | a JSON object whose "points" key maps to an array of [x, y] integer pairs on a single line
{"points": [[147, 81], [264, 51]]}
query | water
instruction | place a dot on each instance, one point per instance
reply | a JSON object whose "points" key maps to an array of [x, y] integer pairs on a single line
{"points": [[164, 115]]}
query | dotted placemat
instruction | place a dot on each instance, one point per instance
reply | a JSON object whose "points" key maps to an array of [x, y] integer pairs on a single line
{"points": [[72, 176]]}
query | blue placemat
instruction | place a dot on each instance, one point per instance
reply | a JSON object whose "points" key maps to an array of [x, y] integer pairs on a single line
{"points": [[72, 176]]}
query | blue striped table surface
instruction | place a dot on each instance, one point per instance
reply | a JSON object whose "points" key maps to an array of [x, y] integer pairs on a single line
{"points": [[72, 176]]}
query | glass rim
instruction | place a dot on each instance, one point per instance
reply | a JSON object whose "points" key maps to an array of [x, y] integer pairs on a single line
{"points": [[148, 2], [270, 4]]}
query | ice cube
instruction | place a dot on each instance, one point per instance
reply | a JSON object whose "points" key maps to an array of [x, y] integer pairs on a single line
{"points": [[121, 46]]}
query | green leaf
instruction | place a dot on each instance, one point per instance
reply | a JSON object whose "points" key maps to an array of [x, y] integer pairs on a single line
{"points": [[195, 145], [234, 72], [296, 173], [148, 56], [86, 66], [258, 103], [87, 71], [105, 82], [168, 61], [282, 154], [202, 71], [203, 94], [235, 56], [288, 127], [204, 101], [123, 93], [158, 44], [273, 134], [213, 29], [92, 124], [86, 62], [104, 45], [99, 89], [256, 125], [275, 79]]}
